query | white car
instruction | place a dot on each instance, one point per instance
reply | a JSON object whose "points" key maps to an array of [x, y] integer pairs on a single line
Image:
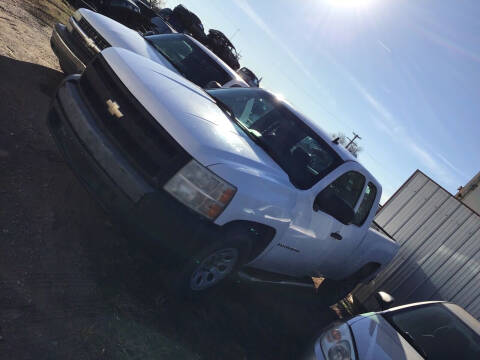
{"points": [[88, 32], [433, 330], [222, 177]]}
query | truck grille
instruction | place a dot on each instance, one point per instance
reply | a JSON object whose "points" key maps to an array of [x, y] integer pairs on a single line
{"points": [[137, 135], [83, 52], [93, 34]]}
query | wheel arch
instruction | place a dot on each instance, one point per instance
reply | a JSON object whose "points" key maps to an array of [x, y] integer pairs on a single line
{"points": [[260, 235]]}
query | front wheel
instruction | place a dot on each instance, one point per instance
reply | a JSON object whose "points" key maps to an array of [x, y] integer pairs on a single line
{"points": [[214, 268], [211, 267]]}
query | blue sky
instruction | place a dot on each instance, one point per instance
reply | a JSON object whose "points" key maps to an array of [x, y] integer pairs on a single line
{"points": [[404, 74]]}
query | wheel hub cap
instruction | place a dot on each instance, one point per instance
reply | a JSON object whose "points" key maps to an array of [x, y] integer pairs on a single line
{"points": [[214, 268]]}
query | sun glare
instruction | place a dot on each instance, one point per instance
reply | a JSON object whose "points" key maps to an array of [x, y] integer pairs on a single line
{"points": [[352, 4]]}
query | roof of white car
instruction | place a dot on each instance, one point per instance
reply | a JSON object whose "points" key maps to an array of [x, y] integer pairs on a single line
{"points": [[422, 303], [396, 308]]}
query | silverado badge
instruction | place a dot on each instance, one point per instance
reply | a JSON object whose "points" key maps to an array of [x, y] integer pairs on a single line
{"points": [[114, 109]]}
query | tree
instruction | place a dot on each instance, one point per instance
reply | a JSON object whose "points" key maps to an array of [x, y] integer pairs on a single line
{"points": [[353, 148]]}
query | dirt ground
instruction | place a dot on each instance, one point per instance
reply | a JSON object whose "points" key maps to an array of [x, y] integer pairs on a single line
{"points": [[69, 286]]}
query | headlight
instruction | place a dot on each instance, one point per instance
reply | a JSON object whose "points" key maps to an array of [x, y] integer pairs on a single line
{"points": [[337, 343], [200, 189], [77, 16]]}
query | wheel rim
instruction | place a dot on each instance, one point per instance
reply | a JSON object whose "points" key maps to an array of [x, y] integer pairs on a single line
{"points": [[214, 268]]}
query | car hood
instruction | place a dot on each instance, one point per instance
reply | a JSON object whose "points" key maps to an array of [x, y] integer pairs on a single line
{"points": [[119, 35], [376, 339], [190, 115]]}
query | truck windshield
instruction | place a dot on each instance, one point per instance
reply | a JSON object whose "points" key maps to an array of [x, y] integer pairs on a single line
{"points": [[437, 331], [299, 151], [189, 59]]}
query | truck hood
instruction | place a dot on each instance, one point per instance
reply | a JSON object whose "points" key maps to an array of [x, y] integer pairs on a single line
{"points": [[376, 339], [119, 35], [190, 115]]}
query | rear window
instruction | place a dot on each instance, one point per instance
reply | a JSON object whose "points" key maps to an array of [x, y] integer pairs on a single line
{"points": [[347, 187], [189, 59], [366, 205]]}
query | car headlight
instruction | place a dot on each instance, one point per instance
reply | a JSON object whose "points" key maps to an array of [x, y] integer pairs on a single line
{"points": [[77, 16], [337, 343], [200, 189]]}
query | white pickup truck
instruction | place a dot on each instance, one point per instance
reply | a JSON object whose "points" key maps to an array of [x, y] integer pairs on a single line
{"points": [[87, 33], [220, 178]]}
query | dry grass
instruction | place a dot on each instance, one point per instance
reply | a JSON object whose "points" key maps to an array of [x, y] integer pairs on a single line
{"points": [[49, 12]]}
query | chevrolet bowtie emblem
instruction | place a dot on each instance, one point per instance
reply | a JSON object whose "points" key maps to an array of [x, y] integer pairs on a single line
{"points": [[90, 42], [114, 109]]}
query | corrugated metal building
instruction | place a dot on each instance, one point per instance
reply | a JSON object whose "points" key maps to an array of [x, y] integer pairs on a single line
{"points": [[470, 193], [439, 257]]}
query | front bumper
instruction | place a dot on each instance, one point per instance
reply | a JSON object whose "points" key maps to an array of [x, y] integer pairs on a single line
{"points": [[66, 50], [153, 214]]}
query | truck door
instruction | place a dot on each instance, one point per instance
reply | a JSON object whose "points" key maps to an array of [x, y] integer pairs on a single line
{"points": [[335, 218], [318, 241], [336, 237]]}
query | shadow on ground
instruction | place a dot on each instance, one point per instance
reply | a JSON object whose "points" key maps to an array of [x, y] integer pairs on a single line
{"points": [[70, 286]]}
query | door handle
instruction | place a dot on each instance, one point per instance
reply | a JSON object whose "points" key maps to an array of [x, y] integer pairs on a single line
{"points": [[336, 236]]}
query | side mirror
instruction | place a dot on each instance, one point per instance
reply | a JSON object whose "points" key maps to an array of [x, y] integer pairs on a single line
{"points": [[384, 299], [331, 204], [213, 85]]}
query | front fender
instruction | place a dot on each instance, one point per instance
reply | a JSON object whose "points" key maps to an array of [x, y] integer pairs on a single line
{"points": [[259, 198]]}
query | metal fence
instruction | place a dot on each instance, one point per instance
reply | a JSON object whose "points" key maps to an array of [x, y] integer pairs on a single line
{"points": [[439, 256]]}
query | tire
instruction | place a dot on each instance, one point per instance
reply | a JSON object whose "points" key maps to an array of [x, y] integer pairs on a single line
{"points": [[211, 267], [186, 16], [332, 291]]}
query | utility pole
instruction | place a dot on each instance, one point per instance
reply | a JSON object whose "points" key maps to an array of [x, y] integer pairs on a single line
{"points": [[235, 33], [352, 141]]}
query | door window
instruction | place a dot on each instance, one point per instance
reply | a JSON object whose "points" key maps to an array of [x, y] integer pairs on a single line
{"points": [[366, 205], [347, 187]]}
